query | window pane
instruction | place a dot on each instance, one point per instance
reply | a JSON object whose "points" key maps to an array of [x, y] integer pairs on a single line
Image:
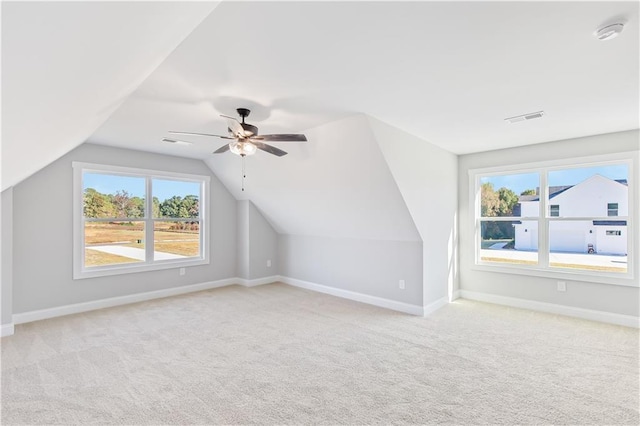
{"points": [[113, 243], [590, 191], [112, 196], [595, 245], [175, 240], [512, 242], [510, 195], [176, 199]]}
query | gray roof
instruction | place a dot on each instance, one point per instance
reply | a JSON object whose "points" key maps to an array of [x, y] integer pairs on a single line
{"points": [[556, 190], [553, 191]]}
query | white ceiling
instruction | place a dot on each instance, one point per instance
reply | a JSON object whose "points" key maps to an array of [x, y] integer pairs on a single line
{"points": [[447, 72], [338, 185], [66, 66]]}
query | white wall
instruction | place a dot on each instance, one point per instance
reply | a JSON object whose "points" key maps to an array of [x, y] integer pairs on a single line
{"points": [[368, 250], [426, 177], [263, 245], [587, 295], [257, 243], [370, 267], [335, 210], [42, 239], [244, 268], [6, 258]]}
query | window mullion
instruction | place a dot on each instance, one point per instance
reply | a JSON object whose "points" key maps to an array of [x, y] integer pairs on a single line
{"points": [[543, 222], [149, 222], [202, 227]]}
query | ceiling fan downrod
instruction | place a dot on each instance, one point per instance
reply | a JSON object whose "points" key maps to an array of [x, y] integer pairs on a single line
{"points": [[244, 175], [243, 112]]}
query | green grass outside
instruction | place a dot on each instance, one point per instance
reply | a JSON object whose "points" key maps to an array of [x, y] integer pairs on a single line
{"points": [[181, 242]]}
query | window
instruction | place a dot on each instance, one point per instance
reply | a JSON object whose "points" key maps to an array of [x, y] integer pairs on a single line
{"points": [[131, 220], [502, 216], [514, 234]]}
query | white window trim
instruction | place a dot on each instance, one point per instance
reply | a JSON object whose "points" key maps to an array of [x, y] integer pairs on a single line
{"points": [[629, 279], [79, 270]]}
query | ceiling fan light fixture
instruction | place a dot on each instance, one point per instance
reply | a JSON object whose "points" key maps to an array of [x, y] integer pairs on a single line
{"points": [[242, 148]]}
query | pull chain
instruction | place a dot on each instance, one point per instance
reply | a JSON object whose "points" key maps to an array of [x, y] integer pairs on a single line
{"points": [[244, 175]]}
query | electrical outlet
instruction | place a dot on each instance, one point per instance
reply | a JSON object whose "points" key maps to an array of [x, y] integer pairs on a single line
{"points": [[401, 284], [182, 271], [269, 263], [562, 286]]}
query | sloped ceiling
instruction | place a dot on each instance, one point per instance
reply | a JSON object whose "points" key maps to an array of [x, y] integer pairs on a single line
{"points": [[337, 186], [66, 66], [446, 72]]}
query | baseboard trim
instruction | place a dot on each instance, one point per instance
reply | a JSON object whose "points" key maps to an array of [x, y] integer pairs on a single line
{"points": [[76, 308], [455, 295], [352, 295], [258, 281], [6, 330], [588, 314], [434, 306], [58, 311]]}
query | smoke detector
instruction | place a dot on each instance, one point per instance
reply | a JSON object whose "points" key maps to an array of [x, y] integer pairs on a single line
{"points": [[608, 32]]}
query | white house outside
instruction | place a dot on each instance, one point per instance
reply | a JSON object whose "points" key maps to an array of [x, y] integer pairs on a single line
{"points": [[596, 196]]}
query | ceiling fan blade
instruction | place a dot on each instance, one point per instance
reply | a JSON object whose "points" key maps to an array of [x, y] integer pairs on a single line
{"points": [[197, 134], [235, 126], [223, 148], [281, 138], [268, 148]]}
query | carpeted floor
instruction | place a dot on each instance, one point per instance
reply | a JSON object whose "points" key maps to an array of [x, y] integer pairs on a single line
{"points": [[276, 354]]}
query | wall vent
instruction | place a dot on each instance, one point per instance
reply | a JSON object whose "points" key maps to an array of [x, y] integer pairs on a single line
{"points": [[529, 116]]}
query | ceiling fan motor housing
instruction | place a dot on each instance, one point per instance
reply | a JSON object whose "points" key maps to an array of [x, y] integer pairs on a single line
{"points": [[243, 112]]}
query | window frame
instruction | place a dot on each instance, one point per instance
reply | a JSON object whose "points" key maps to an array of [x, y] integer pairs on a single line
{"points": [[543, 268], [610, 209], [82, 272]]}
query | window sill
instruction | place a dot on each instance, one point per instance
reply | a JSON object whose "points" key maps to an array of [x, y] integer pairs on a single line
{"points": [[133, 269], [626, 280]]}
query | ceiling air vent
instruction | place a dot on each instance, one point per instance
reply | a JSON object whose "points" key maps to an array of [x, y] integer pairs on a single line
{"points": [[529, 116]]}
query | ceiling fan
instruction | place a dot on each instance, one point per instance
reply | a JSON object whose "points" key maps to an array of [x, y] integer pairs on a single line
{"points": [[245, 138]]}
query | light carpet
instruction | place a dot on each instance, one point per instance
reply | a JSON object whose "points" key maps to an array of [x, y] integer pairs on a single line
{"points": [[276, 354]]}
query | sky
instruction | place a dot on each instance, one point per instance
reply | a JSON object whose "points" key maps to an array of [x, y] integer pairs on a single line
{"points": [[520, 182], [163, 189]]}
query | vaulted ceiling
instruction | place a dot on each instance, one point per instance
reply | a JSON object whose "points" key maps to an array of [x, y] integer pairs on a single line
{"points": [[67, 66], [124, 73]]}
